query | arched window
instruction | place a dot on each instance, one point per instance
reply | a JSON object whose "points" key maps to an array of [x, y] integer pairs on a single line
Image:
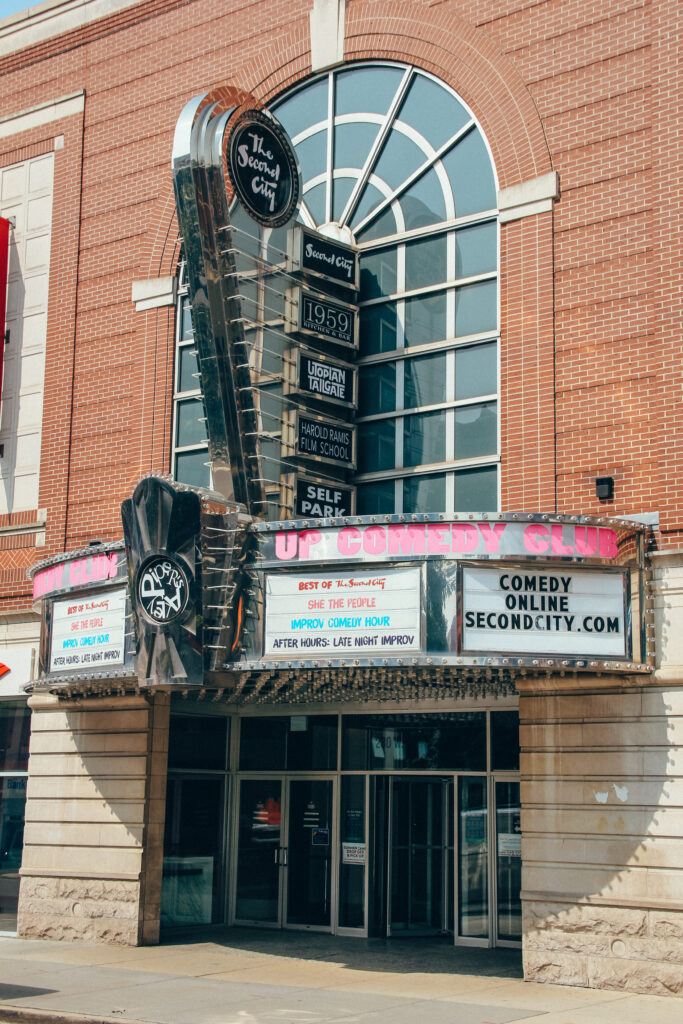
{"points": [[394, 161]]}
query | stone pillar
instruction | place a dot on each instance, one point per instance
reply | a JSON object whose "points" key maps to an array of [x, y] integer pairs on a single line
{"points": [[602, 818], [93, 843]]}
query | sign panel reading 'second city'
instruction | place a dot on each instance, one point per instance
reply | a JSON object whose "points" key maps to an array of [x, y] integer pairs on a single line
{"points": [[338, 615], [544, 611], [88, 631]]}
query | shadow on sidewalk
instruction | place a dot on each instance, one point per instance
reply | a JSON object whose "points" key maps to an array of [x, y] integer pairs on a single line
{"points": [[429, 955]]}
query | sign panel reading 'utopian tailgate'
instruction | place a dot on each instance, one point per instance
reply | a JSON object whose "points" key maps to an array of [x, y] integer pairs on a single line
{"points": [[88, 631], [341, 615], [325, 379], [539, 611]]}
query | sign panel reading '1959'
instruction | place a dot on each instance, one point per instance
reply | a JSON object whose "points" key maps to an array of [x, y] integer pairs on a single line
{"points": [[322, 319]]}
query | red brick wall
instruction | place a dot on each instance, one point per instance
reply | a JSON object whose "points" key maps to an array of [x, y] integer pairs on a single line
{"points": [[590, 353]]}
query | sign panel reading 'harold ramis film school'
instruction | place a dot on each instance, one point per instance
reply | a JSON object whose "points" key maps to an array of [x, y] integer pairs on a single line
{"points": [[342, 614], [531, 611]]}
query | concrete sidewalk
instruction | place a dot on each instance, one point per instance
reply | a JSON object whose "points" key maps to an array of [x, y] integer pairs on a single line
{"points": [[248, 976]]}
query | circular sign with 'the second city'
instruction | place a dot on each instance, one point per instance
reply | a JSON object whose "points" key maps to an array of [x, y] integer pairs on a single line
{"points": [[263, 168], [163, 589]]}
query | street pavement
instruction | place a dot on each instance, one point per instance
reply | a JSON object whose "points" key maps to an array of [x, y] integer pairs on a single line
{"points": [[249, 976]]}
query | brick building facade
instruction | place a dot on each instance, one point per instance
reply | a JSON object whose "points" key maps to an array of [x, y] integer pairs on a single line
{"points": [[578, 104]]}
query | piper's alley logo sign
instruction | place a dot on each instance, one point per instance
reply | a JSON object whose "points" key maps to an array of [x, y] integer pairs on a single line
{"points": [[263, 168], [162, 589]]}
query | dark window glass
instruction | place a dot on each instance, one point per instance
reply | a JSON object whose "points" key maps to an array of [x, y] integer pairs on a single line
{"points": [[377, 389], [376, 446], [424, 494], [476, 308], [475, 249], [376, 498], [304, 108], [435, 110], [425, 381], [193, 468], [315, 201], [369, 201], [425, 319], [400, 157], [190, 427], [468, 166], [188, 370], [186, 320], [378, 274], [352, 143], [505, 741], [454, 742], [196, 741], [378, 329], [365, 90], [476, 430], [312, 154], [352, 833], [14, 734], [423, 203], [424, 439], [475, 370], [191, 885], [296, 743], [476, 490], [425, 262]]}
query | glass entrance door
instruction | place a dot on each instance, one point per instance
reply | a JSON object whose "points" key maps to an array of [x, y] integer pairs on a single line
{"points": [[508, 861], [284, 852], [421, 856]]}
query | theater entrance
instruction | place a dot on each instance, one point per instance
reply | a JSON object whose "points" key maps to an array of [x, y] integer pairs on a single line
{"points": [[285, 837], [412, 856]]}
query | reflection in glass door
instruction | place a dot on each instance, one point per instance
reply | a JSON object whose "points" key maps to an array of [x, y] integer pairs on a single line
{"points": [[259, 851], [473, 867], [509, 861], [284, 852], [420, 850], [309, 853]]}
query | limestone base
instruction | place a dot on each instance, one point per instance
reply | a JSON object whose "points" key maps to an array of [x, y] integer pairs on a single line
{"points": [[79, 909], [633, 950]]}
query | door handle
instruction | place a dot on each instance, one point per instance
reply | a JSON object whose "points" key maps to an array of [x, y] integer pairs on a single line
{"points": [[284, 855]]}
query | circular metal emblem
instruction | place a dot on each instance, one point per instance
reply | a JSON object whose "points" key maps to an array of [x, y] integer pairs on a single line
{"points": [[163, 589], [263, 168]]}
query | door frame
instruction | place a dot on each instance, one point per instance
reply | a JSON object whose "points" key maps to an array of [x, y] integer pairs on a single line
{"points": [[447, 883], [285, 779]]}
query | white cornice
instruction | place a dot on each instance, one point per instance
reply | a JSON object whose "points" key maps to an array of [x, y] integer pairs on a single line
{"points": [[43, 113], [52, 17]]}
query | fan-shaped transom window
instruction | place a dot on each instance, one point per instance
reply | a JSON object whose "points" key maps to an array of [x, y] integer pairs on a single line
{"points": [[392, 160]]}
